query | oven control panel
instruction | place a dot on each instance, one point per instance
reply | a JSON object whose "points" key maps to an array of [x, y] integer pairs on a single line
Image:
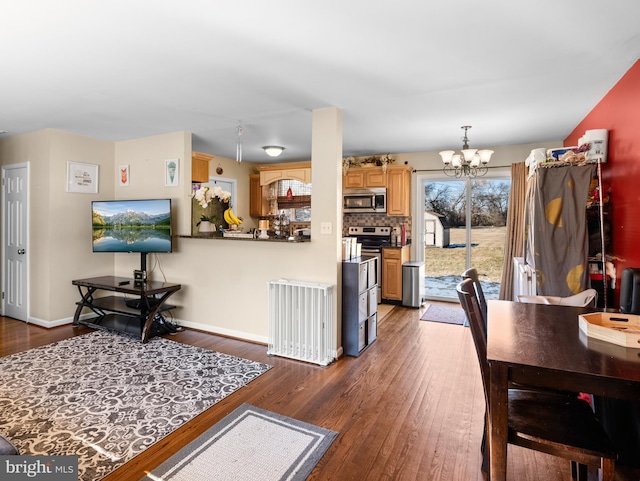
{"points": [[370, 231]]}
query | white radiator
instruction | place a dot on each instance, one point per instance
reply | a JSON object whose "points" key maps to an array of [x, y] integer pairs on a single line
{"points": [[524, 279], [301, 321]]}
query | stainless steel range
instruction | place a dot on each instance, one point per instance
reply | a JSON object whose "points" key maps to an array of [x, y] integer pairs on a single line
{"points": [[373, 239]]}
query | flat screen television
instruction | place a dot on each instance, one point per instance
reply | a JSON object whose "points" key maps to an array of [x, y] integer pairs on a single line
{"points": [[140, 225]]}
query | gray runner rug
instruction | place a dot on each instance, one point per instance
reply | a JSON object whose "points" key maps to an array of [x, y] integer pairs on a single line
{"points": [[107, 397], [250, 444]]}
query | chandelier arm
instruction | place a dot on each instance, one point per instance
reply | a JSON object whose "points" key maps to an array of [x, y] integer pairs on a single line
{"points": [[450, 171]]}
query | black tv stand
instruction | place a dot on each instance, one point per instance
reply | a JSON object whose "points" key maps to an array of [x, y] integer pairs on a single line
{"points": [[115, 312]]}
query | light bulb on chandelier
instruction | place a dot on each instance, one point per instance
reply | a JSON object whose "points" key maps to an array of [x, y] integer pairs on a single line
{"points": [[470, 163]]}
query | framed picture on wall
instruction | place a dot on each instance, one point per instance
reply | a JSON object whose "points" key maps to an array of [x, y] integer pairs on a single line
{"points": [[171, 172], [82, 178], [123, 176]]}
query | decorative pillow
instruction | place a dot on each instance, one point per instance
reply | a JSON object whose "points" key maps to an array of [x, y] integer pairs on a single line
{"points": [[7, 447]]}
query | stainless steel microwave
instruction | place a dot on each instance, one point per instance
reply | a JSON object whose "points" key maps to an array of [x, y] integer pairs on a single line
{"points": [[372, 200]]}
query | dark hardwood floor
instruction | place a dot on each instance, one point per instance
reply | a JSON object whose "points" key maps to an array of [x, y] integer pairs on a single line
{"points": [[409, 408]]}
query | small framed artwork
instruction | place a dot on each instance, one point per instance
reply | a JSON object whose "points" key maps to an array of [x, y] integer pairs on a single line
{"points": [[171, 172], [82, 178], [123, 176]]}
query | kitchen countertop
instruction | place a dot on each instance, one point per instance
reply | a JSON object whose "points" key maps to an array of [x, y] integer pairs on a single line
{"points": [[358, 260], [221, 238]]}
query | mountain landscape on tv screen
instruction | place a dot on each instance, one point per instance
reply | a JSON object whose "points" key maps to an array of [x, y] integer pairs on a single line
{"points": [[131, 218]]}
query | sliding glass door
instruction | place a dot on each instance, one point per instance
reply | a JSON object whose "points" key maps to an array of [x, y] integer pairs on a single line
{"points": [[464, 226], [445, 237]]}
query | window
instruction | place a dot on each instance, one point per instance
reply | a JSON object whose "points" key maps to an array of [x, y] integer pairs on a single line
{"points": [[298, 207]]}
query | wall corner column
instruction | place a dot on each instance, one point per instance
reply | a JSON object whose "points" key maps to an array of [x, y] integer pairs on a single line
{"points": [[326, 208]]}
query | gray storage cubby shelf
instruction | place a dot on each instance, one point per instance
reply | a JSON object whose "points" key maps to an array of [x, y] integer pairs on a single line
{"points": [[359, 304]]}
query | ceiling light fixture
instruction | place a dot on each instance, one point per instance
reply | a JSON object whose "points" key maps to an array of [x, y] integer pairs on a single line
{"points": [[471, 162], [273, 150], [239, 131]]}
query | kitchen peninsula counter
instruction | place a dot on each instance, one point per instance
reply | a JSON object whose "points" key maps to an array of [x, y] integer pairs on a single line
{"points": [[296, 240]]}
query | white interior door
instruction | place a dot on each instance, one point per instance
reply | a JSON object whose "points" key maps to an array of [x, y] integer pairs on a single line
{"points": [[15, 196]]}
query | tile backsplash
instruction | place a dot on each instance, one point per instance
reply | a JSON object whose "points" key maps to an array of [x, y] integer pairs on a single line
{"points": [[374, 220]]}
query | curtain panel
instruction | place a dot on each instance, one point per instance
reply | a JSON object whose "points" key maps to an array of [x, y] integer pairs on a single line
{"points": [[556, 236], [514, 235]]}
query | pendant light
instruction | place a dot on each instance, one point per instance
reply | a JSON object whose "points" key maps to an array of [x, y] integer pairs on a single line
{"points": [[239, 131]]}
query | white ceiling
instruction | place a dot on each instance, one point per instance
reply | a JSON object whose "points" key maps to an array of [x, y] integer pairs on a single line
{"points": [[406, 73]]}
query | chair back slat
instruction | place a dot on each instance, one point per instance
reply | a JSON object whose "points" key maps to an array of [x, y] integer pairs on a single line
{"points": [[472, 274], [477, 324]]}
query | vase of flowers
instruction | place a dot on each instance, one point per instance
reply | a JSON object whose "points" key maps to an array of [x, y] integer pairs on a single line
{"points": [[205, 195], [208, 205]]}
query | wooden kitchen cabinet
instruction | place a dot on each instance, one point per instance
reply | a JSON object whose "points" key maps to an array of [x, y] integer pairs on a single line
{"points": [[392, 260], [364, 177], [258, 204], [296, 171], [397, 180], [375, 177], [354, 179], [399, 190], [200, 167]]}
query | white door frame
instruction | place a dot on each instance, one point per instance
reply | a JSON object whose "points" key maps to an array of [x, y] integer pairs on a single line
{"points": [[25, 227], [418, 247]]}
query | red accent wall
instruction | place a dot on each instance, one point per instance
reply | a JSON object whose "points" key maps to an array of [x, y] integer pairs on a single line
{"points": [[619, 112]]}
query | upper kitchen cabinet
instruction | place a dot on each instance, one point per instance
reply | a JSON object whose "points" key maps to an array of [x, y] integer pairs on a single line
{"points": [[300, 171], [364, 177], [396, 179], [399, 190], [258, 202], [200, 167]]}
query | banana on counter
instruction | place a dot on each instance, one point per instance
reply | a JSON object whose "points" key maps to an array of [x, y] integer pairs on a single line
{"points": [[230, 218]]}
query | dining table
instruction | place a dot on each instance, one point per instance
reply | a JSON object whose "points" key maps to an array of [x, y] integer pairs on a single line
{"points": [[542, 345]]}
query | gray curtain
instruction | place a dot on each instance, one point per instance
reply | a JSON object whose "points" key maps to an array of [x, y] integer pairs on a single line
{"points": [[556, 237], [513, 242]]}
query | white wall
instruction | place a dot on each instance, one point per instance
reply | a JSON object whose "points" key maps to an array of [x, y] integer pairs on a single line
{"points": [[59, 245]]}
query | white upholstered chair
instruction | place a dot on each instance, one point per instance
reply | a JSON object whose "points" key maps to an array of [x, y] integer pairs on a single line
{"points": [[588, 297]]}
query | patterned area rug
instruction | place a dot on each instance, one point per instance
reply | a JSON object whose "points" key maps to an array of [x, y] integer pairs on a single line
{"points": [[250, 444], [107, 397], [446, 314]]}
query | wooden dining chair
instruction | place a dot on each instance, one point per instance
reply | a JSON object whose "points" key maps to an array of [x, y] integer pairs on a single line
{"points": [[549, 422], [472, 274]]}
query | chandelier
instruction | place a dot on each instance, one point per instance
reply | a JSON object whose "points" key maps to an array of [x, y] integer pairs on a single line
{"points": [[470, 163]]}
